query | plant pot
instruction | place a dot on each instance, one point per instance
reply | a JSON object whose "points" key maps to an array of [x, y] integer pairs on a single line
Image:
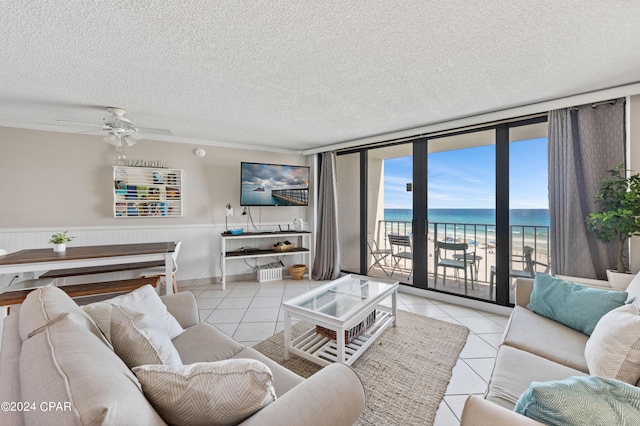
{"points": [[297, 271], [617, 280], [60, 247]]}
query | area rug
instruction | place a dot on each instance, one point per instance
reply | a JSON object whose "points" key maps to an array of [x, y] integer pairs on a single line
{"points": [[405, 372]]}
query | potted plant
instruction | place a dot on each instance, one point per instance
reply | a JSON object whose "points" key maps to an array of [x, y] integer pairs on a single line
{"points": [[59, 240], [618, 217]]}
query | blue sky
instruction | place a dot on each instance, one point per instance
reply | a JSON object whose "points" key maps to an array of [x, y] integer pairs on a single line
{"points": [[465, 178]]}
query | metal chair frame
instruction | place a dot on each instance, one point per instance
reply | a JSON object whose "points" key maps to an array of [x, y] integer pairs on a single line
{"points": [[403, 251], [441, 260], [379, 255]]}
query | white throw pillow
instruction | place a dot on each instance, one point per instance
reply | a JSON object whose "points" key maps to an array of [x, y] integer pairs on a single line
{"points": [[144, 300], [138, 340], [633, 289], [207, 393], [613, 350]]}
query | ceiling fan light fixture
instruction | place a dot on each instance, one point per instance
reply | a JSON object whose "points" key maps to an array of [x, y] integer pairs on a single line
{"points": [[130, 140], [110, 139], [135, 135]]}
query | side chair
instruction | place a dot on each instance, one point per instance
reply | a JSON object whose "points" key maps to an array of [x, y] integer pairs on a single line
{"points": [[160, 271], [379, 255], [459, 260], [26, 284], [528, 267], [401, 249]]}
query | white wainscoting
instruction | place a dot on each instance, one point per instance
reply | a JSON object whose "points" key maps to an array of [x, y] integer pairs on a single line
{"points": [[199, 257]]}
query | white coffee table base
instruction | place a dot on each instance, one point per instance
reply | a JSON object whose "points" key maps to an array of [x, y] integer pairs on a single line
{"points": [[324, 351]]}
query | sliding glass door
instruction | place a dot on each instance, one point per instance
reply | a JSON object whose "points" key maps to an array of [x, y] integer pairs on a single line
{"points": [[461, 185], [459, 213]]}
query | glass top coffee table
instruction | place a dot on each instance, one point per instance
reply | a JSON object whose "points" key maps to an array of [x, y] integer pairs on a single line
{"points": [[347, 315]]}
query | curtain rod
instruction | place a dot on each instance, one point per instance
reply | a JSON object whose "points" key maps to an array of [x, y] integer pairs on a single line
{"points": [[597, 104]]}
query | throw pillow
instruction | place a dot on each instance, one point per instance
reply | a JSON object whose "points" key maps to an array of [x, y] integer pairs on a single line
{"points": [[581, 400], [633, 289], [613, 350], [137, 339], [144, 300], [47, 305], [573, 305], [207, 393]]}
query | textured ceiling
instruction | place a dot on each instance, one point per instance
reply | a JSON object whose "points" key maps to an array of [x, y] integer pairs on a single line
{"points": [[300, 75]]}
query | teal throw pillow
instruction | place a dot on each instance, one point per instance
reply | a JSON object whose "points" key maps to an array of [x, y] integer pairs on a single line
{"points": [[573, 305], [581, 400]]}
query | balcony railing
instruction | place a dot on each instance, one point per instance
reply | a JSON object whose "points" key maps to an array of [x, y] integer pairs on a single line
{"points": [[481, 239]]}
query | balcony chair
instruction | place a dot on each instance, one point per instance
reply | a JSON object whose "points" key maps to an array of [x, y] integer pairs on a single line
{"points": [[379, 255], [160, 271], [401, 249], [461, 261], [528, 267]]}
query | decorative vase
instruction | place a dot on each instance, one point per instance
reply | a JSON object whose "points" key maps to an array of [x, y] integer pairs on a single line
{"points": [[60, 247], [617, 280]]}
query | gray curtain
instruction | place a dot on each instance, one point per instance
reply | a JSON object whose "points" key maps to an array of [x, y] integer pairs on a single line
{"points": [[584, 142], [326, 265]]}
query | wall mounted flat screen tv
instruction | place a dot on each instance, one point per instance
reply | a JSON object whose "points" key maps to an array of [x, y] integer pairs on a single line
{"points": [[273, 185]]}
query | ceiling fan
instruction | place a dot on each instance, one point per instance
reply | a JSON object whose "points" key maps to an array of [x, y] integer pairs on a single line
{"points": [[119, 129]]}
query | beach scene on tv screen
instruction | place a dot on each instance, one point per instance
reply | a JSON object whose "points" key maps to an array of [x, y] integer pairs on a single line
{"points": [[274, 185]]}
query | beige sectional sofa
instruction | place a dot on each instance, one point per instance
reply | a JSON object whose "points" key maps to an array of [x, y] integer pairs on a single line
{"points": [[55, 359], [534, 348]]}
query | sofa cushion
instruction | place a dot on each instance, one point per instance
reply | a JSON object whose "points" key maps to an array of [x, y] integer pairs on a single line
{"points": [[581, 401], [144, 299], [205, 343], [573, 305], [547, 338], [67, 364], [514, 370], [46, 305], [139, 340], [613, 350], [10, 366], [207, 393]]}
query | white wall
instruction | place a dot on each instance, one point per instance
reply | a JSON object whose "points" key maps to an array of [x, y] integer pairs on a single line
{"points": [[52, 181]]}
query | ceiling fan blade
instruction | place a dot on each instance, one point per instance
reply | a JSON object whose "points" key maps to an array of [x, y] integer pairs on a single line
{"points": [[80, 123], [155, 131], [96, 131]]}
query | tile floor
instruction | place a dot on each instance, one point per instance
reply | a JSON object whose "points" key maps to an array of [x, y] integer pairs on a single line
{"points": [[250, 312]]}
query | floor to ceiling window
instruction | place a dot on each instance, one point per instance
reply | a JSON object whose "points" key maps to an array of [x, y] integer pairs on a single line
{"points": [[473, 201], [461, 195]]}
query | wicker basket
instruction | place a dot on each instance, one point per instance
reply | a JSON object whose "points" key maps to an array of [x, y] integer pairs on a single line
{"points": [[297, 271], [284, 247], [351, 334]]}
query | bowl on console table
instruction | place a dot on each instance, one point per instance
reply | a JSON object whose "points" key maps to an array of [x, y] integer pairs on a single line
{"points": [[237, 231]]}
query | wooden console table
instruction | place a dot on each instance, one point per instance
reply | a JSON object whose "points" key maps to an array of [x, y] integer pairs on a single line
{"points": [[33, 261], [302, 236]]}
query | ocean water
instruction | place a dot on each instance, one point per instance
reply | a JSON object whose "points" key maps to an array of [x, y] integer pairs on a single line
{"points": [[521, 217], [476, 226]]}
